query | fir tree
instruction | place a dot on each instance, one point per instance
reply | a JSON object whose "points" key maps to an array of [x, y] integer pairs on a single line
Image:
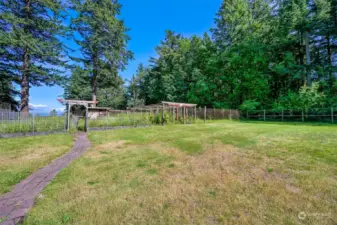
{"points": [[31, 52], [103, 41]]}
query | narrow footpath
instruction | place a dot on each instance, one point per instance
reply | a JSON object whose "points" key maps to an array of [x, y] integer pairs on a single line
{"points": [[14, 205]]}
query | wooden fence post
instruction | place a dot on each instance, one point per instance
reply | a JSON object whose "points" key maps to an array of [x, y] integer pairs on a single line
{"points": [[162, 116], [86, 119], [332, 119], [264, 115], [107, 120], [205, 114], [195, 113], [230, 114], [68, 117], [302, 115], [33, 123]]}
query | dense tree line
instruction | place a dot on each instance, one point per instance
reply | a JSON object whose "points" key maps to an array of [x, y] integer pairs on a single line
{"points": [[259, 54]]}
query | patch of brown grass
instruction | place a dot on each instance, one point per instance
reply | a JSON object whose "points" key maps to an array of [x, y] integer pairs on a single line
{"points": [[154, 183]]}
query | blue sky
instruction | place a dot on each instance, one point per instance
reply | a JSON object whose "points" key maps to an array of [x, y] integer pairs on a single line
{"points": [[147, 21]]}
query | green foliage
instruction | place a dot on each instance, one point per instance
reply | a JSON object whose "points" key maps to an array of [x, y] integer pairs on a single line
{"points": [[307, 97], [249, 105], [8, 92], [310, 97]]}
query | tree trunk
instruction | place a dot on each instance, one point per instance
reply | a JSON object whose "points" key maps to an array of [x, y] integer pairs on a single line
{"points": [[25, 83], [307, 57], [94, 81], [24, 106]]}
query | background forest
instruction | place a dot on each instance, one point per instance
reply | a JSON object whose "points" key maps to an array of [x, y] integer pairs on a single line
{"points": [[259, 54]]}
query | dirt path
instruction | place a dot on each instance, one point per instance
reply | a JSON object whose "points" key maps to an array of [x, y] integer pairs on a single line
{"points": [[15, 204]]}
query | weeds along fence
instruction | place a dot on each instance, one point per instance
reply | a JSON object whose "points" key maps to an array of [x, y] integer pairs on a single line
{"points": [[157, 115], [324, 115], [16, 122]]}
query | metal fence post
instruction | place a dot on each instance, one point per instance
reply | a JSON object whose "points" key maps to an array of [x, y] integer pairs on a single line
{"points": [[302, 115], [282, 115], [332, 119], [264, 115]]}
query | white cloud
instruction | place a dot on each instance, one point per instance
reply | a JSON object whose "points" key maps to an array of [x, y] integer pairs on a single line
{"points": [[37, 106]]}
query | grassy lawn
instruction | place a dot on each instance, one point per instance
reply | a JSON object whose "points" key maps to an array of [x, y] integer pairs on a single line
{"points": [[20, 157], [216, 173]]}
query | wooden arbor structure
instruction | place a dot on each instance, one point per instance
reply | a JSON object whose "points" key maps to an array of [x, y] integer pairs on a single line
{"points": [[177, 106], [174, 107], [70, 103]]}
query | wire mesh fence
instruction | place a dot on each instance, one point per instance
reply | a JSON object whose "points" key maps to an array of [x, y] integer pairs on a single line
{"points": [[157, 115], [18, 122], [324, 115]]}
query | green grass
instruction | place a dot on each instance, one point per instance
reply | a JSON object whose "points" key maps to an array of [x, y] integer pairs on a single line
{"points": [[216, 173], [20, 157]]}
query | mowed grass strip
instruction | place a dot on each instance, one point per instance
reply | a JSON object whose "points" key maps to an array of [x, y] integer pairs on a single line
{"points": [[20, 157], [218, 173]]}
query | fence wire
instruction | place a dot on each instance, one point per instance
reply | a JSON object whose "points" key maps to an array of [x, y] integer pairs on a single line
{"points": [[325, 115], [16, 122]]}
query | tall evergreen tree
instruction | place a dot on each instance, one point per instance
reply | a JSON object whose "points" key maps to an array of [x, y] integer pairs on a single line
{"points": [[103, 40], [31, 52]]}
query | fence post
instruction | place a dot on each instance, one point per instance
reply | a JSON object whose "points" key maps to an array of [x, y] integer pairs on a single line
{"points": [[282, 115], [195, 113], [205, 114], [302, 115], [68, 116], [86, 119], [33, 123], [162, 115], [230, 114], [107, 120], [247, 115], [172, 114], [264, 115], [332, 119]]}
